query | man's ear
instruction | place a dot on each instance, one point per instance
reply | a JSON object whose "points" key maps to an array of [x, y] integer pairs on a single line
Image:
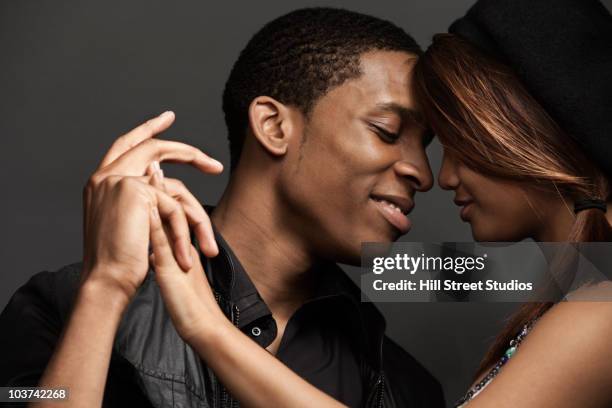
{"points": [[270, 123]]}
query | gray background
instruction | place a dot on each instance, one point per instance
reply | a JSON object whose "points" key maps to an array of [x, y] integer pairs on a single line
{"points": [[74, 75]]}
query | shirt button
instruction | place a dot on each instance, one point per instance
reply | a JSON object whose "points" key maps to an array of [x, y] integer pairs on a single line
{"points": [[256, 331]]}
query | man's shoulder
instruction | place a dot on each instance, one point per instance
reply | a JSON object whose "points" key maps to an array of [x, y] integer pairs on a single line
{"points": [[67, 274], [49, 280], [31, 323], [54, 290], [408, 378]]}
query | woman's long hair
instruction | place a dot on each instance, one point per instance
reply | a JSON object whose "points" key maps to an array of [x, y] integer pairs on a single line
{"points": [[485, 117]]}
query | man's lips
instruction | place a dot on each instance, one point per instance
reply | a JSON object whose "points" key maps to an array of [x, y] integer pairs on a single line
{"points": [[394, 209], [404, 204]]}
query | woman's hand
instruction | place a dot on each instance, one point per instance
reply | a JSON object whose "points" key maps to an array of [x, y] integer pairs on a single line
{"points": [[253, 376], [187, 294]]}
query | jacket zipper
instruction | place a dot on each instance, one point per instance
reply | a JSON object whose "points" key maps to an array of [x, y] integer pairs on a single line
{"points": [[381, 390], [226, 399], [218, 400]]}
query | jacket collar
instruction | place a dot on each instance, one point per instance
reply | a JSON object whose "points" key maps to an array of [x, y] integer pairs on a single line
{"points": [[230, 280]]}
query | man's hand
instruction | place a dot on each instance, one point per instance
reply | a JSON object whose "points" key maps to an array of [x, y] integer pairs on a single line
{"points": [[118, 200]]}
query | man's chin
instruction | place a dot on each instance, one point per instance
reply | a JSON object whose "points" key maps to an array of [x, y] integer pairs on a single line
{"points": [[351, 255], [392, 235], [387, 236]]}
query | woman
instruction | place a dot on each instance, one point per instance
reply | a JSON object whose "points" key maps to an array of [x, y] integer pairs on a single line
{"points": [[517, 174]]}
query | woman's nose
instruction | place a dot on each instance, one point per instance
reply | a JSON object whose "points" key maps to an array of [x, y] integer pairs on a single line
{"points": [[448, 178]]}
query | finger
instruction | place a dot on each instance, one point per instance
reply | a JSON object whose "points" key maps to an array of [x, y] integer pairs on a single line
{"points": [[172, 213], [157, 178], [182, 238], [135, 161], [145, 131], [152, 168], [163, 258], [196, 215]]}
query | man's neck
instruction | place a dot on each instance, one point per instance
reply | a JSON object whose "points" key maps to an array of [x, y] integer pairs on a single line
{"points": [[250, 219]]}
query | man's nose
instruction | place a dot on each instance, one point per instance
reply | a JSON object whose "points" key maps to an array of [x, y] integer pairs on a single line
{"points": [[418, 173], [448, 178]]}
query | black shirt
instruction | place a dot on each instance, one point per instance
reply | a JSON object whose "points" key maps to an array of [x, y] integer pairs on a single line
{"points": [[322, 340]]}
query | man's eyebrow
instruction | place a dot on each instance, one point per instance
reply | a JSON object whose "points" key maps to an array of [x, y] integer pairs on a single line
{"points": [[402, 111]]}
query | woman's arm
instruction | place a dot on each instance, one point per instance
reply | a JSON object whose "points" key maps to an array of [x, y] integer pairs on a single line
{"points": [[255, 377], [563, 362], [82, 356]]}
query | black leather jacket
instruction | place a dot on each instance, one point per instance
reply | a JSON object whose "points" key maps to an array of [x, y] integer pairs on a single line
{"points": [[152, 366]]}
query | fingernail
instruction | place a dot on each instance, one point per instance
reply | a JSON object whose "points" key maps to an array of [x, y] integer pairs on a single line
{"points": [[166, 113], [155, 177], [188, 256], [155, 165], [161, 174]]}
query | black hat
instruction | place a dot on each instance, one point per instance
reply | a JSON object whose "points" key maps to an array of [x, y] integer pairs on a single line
{"points": [[562, 52]]}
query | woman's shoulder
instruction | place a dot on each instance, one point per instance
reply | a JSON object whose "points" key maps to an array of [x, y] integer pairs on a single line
{"points": [[564, 360], [585, 315], [596, 292], [583, 321]]}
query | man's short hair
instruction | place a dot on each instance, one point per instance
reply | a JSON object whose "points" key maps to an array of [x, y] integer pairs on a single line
{"points": [[299, 57]]}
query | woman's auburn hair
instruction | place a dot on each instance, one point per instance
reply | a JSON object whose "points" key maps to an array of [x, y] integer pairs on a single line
{"points": [[484, 116]]}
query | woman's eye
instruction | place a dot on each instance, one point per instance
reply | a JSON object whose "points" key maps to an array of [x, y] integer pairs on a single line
{"points": [[384, 134]]}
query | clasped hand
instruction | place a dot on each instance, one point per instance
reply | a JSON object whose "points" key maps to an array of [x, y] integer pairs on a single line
{"points": [[129, 204]]}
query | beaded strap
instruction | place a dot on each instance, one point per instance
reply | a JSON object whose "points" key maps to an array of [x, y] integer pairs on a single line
{"points": [[514, 344]]}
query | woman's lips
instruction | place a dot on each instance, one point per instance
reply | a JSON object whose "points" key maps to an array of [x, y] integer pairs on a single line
{"points": [[465, 211], [466, 204], [393, 215]]}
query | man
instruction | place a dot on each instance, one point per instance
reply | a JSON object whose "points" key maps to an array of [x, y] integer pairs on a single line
{"points": [[327, 151]]}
